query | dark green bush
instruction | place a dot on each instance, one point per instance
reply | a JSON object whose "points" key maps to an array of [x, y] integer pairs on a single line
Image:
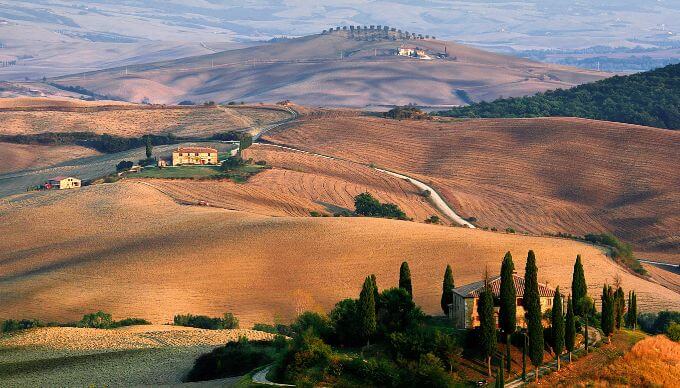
{"points": [[132, 322], [658, 323], [233, 359], [319, 325], [124, 165], [368, 206], [229, 321], [98, 320], [10, 325]]}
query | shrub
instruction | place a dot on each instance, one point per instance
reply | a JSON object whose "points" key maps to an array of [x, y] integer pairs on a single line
{"points": [[261, 163], [229, 321], [132, 322], [406, 112], [620, 251], [273, 329], [319, 325], [433, 220], [98, 320], [233, 359], [658, 323], [124, 165], [205, 322], [22, 324], [368, 206], [509, 230], [673, 331], [315, 214], [232, 162], [307, 356]]}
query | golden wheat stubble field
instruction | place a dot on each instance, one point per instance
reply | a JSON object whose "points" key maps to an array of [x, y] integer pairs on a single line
{"points": [[137, 120], [130, 250], [544, 175], [298, 184], [16, 157]]}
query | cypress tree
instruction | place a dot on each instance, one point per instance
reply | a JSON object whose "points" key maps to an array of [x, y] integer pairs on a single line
{"points": [[447, 290], [487, 324], [507, 314], [149, 147], [619, 307], [532, 304], [631, 314], [500, 378], [557, 326], [579, 289], [376, 293], [405, 278], [366, 310], [635, 310], [607, 319], [570, 329]]}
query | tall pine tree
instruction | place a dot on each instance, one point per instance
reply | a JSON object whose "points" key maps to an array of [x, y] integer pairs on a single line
{"points": [[376, 293], [447, 290], [405, 278], [557, 322], [487, 324], [507, 315], [570, 329], [607, 318], [366, 310], [579, 289], [532, 305], [619, 307]]}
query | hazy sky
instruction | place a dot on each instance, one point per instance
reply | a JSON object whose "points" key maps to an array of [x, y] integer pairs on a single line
{"points": [[524, 24]]}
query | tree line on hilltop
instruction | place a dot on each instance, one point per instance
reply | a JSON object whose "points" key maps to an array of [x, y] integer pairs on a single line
{"points": [[651, 98]]}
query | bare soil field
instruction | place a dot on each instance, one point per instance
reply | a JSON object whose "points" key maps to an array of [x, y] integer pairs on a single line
{"points": [[130, 337], [535, 175], [41, 102], [137, 120], [129, 356], [312, 71], [127, 249], [299, 184], [16, 157]]}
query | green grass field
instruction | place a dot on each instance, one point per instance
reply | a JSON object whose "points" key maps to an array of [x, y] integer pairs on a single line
{"points": [[238, 174]]}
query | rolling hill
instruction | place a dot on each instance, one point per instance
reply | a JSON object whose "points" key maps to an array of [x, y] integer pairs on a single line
{"points": [[545, 175], [128, 249], [27, 116], [335, 70]]}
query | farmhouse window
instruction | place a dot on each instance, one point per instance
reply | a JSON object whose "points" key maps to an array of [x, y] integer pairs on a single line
{"points": [[520, 302]]}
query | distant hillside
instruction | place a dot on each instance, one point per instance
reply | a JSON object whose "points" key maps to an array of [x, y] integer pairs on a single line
{"points": [[651, 98], [335, 69]]}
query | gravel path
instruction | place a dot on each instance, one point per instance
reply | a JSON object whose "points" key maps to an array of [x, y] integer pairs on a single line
{"points": [[435, 198], [261, 378]]}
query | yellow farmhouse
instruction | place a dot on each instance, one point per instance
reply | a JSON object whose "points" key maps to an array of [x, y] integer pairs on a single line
{"points": [[63, 182], [194, 156], [463, 310]]}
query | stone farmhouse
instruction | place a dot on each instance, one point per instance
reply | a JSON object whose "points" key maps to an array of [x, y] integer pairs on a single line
{"points": [[463, 310]]}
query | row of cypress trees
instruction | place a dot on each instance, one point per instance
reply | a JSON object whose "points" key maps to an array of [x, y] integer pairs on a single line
{"points": [[563, 324]]}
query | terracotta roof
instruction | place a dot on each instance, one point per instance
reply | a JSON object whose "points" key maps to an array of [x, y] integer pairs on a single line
{"points": [[473, 290], [59, 178], [197, 149]]}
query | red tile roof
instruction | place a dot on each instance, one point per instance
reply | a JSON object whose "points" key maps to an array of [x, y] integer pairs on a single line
{"points": [[473, 290], [197, 150]]}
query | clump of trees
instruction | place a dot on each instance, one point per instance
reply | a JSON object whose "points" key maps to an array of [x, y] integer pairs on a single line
{"points": [[406, 112], [366, 205], [651, 98], [228, 321], [232, 359], [620, 251]]}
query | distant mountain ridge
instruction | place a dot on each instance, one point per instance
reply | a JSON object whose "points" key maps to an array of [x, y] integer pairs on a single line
{"points": [[339, 68], [651, 98]]}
